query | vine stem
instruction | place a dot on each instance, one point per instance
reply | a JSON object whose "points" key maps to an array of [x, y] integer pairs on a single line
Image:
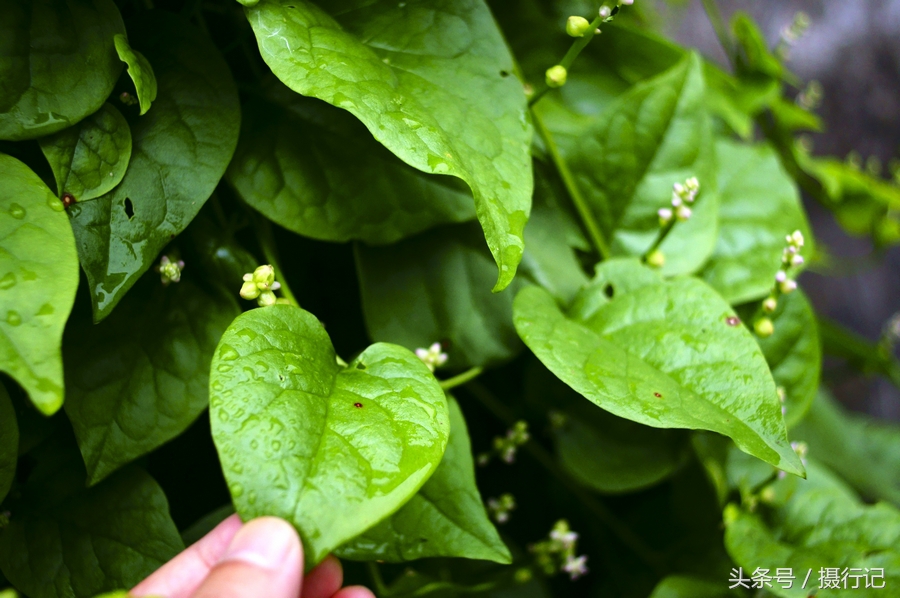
{"points": [[461, 379], [267, 242], [574, 50], [539, 454], [381, 588], [584, 211], [663, 233]]}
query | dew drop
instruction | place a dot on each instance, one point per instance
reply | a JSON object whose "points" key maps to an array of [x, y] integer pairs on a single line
{"points": [[13, 318], [251, 497], [227, 353], [55, 204], [223, 416], [224, 367], [17, 211], [45, 310], [8, 281], [254, 444], [236, 490], [276, 445]]}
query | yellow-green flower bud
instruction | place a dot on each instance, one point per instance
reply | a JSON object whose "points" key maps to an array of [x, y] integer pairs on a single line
{"points": [[264, 276], [577, 26], [556, 76], [764, 327], [249, 290], [267, 298], [656, 258]]}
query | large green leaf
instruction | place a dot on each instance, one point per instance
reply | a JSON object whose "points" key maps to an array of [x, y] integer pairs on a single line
{"points": [[181, 149], [139, 378], [819, 524], [758, 206], [318, 172], [9, 442], [667, 355], [685, 586], [90, 158], [793, 352], [436, 287], [862, 450], [431, 80], [66, 541], [57, 63], [657, 134], [38, 279], [445, 518], [139, 70], [332, 449]]}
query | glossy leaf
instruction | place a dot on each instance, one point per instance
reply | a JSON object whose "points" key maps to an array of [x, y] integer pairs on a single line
{"points": [[820, 524], [38, 279], [793, 352], [435, 287], [667, 355], [316, 171], [445, 518], [65, 540], [758, 206], [57, 63], [334, 450], [180, 151], [141, 377], [9, 443], [90, 158], [431, 81], [862, 450], [657, 134], [139, 70]]}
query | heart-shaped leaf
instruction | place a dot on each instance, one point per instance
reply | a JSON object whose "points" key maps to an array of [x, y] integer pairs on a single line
{"points": [[431, 79], [139, 70], [446, 518], [668, 355], [57, 63], [38, 279], [332, 449], [90, 158]]}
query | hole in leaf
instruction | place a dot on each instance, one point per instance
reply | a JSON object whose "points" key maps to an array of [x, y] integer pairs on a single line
{"points": [[360, 366], [609, 291], [129, 208], [504, 73]]}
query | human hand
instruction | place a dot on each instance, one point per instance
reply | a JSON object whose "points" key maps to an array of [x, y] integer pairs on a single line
{"points": [[260, 559]]}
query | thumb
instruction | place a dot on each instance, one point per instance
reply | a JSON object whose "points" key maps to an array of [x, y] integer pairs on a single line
{"points": [[264, 558]]}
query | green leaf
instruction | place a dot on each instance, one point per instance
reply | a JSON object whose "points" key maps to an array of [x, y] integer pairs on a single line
{"points": [[793, 352], [668, 355], [139, 70], [65, 540], [333, 450], [431, 80], [820, 524], [606, 453], [180, 151], [445, 518], [318, 172], [758, 206], [57, 63], [685, 586], [141, 377], [435, 287], [657, 134], [9, 443], [90, 158], [38, 279], [862, 450]]}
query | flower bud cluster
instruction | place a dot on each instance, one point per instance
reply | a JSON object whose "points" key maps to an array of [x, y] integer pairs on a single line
{"points": [[260, 285], [557, 554], [505, 447], [810, 97], [793, 32], [683, 196], [500, 508], [169, 270], [790, 260], [433, 357]]}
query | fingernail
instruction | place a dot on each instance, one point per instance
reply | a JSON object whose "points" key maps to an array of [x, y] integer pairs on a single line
{"points": [[267, 542]]}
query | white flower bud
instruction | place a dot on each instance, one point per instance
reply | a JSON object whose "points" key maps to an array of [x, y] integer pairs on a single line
{"points": [[770, 304], [264, 276], [626, 2], [676, 200], [679, 189], [787, 286], [249, 290], [683, 213], [780, 276], [266, 298], [665, 216], [797, 260], [605, 12]]}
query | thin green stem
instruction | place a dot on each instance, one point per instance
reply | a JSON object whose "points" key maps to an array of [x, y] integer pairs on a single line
{"points": [[539, 454], [574, 50], [584, 212], [455, 588], [267, 242], [718, 25], [461, 379], [663, 233], [381, 590]]}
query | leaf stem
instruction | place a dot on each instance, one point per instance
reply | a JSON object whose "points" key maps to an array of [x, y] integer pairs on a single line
{"points": [[663, 233], [267, 243], [574, 50], [584, 211], [462, 378], [381, 590], [718, 25], [595, 506]]}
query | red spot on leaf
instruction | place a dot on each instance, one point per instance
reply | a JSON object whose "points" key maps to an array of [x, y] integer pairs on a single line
{"points": [[657, 395], [67, 199], [357, 405], [732, 320]]}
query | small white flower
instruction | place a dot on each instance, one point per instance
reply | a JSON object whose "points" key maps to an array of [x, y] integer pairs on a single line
{"points": [[565, 537], [797, 260], [692, 184], [787, 286], [576, 567], [626, 2], [780, 276], [432, 357], [676, 200], [679, 189], [605, 12], [169, 270], [683, 213], [665, 215], [796, 238]]}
